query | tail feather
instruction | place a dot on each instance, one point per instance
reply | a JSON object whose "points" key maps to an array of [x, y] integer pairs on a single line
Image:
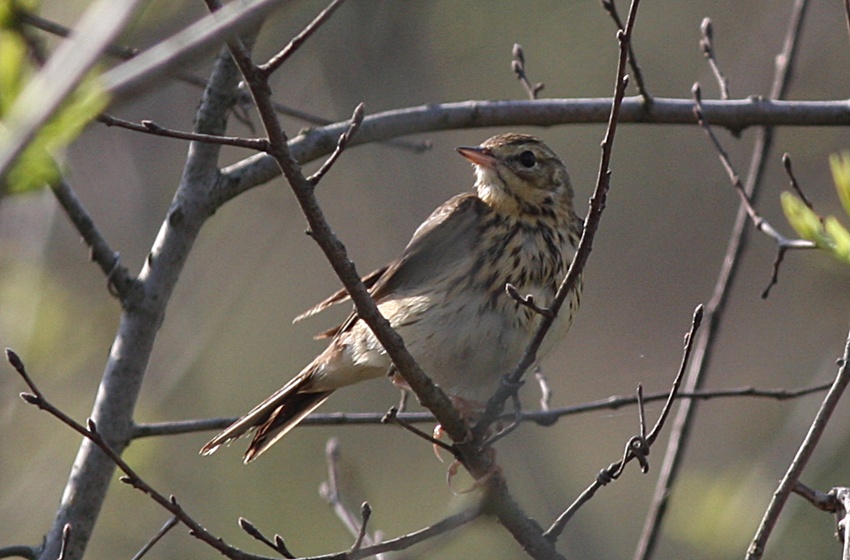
{"points": [[284, 418], [272, 418]]}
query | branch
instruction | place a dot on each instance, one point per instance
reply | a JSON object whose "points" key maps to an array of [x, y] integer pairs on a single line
{"points": [[150, 127], [638, 447], [611, 7], [119, 281], [716, 305], [707, 46], [804, 453], [545, 417], [91, 433], [277, 60], [141, 317], [518, 66], [735, 115], [783, 244]]}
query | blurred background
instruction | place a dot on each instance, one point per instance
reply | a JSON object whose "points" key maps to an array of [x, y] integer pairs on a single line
{"points": [[228, 341]]}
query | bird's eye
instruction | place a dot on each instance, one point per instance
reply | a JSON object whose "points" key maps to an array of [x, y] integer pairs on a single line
{"points": [[527, 159]]}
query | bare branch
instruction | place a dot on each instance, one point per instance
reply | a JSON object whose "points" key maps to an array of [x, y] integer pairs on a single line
{"points": [[807, 447], [91, 433], [783, 243], [277, 60], [543, 417], [647, 100], [707, 46], [717, 304], [391, 417], [637, 447], [518, 66], [341, 144], [150, 127], [170, 524], [786, 162], [821, 500]]}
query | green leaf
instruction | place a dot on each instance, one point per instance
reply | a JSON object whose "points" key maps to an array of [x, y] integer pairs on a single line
{"points": [[840, 239], [37, 166], [805, 222], [13, 68], [840, 165]]}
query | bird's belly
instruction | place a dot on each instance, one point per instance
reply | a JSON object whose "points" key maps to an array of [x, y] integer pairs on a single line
{"points": [[468, 349]]}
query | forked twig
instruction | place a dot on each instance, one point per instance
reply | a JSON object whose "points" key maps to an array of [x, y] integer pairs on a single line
{"points": [[36, 398], [637, 447], [801, 458], [611, 7], [341, 144], [707, 46], [783, 243], [518, 66]]}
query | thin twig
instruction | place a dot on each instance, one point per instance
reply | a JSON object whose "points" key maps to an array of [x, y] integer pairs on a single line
{"points": [[758, 221], [119, 281], [150, 127], [801, 458], [542, 417], [705, 346], [331, 492], [637, 447], [570, 281], [786, 162], [647, 100], [391, 417], [341, 144], [169, 525], [707, 46], [36, 398], [278, 545], [824, 501], [783, 244], [518, 66], [277, 60], [404, 542], [526, 301]]}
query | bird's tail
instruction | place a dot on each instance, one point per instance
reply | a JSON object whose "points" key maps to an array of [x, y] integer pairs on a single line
{"points": [[271, 419]]}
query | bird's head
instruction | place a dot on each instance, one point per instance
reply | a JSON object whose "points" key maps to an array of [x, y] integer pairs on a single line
{"points": [[519, 173]]}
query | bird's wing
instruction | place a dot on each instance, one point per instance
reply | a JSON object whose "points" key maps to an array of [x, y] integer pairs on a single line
{"points": [[446, 237], [341, 295]]}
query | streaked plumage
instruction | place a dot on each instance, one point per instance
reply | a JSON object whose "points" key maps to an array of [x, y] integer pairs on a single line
{"points": [[446, 294]]}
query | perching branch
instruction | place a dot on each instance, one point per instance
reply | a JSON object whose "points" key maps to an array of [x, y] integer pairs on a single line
{"points": [[544, 417]]}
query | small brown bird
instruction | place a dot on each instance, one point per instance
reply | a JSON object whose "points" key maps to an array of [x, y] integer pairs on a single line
{"points": [[446, 294]]}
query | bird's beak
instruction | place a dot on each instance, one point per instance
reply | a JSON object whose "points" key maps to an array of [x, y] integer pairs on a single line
{"points": [[478, 156]]}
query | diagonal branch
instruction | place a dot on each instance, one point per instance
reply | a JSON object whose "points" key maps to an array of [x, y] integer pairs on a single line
{"points": [[638, 447], [804, 453], [714, 309]]}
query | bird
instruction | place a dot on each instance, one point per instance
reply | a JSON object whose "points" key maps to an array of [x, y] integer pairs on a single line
{"points": [[446, 294]]}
